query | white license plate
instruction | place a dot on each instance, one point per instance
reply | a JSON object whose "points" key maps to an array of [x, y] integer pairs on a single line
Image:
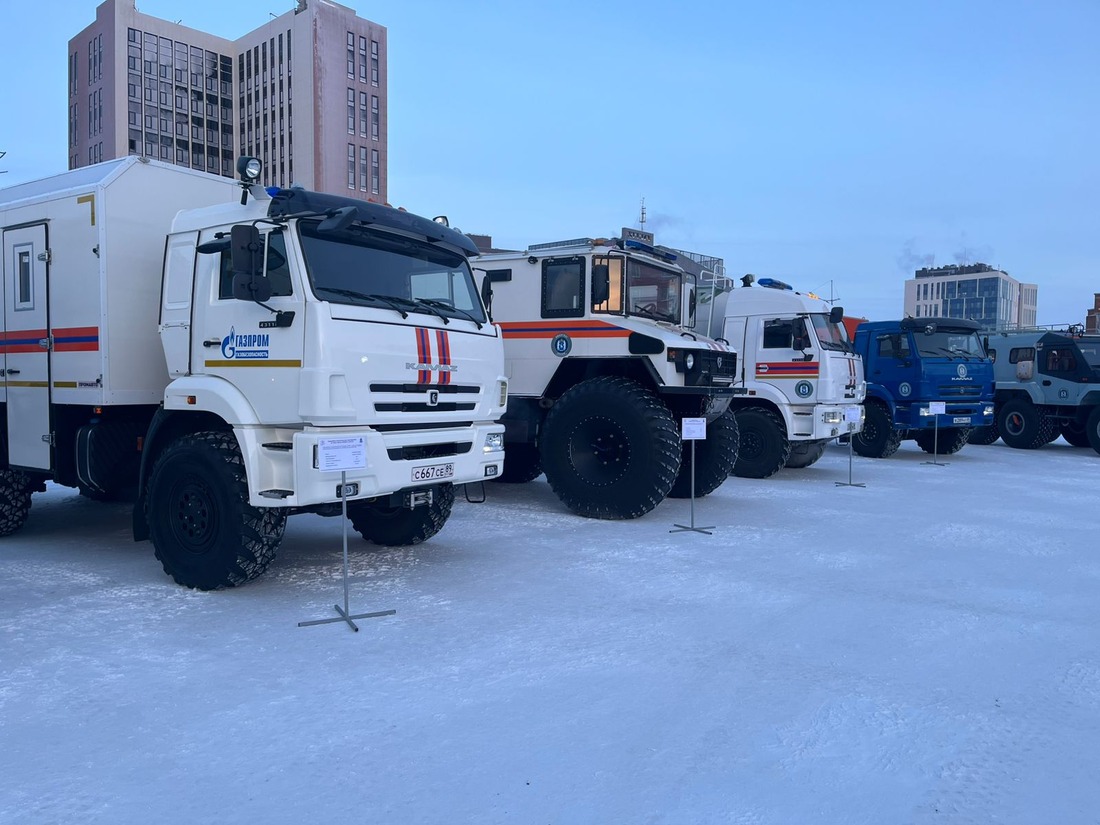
{"points": [[434, 472], [961, 419]]}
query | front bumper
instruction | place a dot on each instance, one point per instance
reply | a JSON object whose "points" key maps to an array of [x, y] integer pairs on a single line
{"points": [[824, 421], [284, 467]]}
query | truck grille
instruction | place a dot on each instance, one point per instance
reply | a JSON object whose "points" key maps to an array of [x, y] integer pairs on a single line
{"points": [[961, 391], [713, 368], [414, 397], [417, 452]]}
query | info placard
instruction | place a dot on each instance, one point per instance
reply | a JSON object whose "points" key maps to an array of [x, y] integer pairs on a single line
{"points": [[937, 407], [852, 415], [693, 429], [335, 454]]}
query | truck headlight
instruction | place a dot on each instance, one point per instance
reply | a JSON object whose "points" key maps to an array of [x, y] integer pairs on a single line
{"points": [[988, 410], [689, 360], [925, 411], [494, 443], [832, 416]]}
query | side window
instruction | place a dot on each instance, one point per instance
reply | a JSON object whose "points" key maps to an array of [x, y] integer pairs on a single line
{"points": [[778, 334], [278, 271], [1018, 354], [992, 355], [614, 302], [563, 288], [1061, 360], [893, 346]]}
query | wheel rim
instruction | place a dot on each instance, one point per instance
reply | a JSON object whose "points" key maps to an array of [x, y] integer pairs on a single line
{"points": [[193, 516], [599, 451], [1014, 423], [751, 447]]}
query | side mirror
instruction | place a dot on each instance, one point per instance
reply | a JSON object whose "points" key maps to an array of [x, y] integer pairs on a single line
{"points": [[836, 315], [248, 252], [248, 286], [601, 283], [487, 294]]}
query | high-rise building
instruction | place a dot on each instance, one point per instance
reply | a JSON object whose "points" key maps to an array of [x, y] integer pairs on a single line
{"points": [[975, 291], [305, 92]]}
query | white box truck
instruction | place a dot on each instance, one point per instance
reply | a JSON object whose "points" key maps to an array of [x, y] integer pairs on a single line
{"points": [[202, 349]]}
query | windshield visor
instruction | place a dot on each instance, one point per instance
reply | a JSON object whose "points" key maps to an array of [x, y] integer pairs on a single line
{"points": [[365, 267], [653, 292]]}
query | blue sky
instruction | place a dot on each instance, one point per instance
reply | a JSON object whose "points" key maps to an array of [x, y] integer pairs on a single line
{"points": [[844, 142]]}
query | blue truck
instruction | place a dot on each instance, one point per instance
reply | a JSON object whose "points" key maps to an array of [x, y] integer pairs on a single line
{"points": [[911, 366]]}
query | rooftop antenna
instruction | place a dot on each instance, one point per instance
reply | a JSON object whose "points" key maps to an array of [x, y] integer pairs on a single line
{"points": [[2, 153], [642, 224]]}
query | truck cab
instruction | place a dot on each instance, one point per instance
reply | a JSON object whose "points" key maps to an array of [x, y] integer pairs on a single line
{"points": [[913, 366], [800, 383]]}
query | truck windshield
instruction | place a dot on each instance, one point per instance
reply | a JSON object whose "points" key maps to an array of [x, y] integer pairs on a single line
{"points": [[1090, 348], [829, 335], [365, 267], [945, 343], [652, 292]]}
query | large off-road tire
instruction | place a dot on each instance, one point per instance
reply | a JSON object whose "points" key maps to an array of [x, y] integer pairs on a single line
{"points": [[521, 464], [1023, 425], [1075, 434], [402, 526], [610, 449], [878, 438], [764, 446], [805, 454], [15, 500], [204, 531], [714, 459], [949, 441], [1092, 429], [984, 435]]}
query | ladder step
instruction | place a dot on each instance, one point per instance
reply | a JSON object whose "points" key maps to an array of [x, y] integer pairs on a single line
{"points": [[276, 493], [286, 446]]}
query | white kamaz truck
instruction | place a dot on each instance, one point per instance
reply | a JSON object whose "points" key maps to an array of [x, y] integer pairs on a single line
{"points": [[223, 357], [800, 382], [601, 371]]}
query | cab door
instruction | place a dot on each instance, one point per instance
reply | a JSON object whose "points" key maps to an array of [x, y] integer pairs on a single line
{"points": [[26, 347]]}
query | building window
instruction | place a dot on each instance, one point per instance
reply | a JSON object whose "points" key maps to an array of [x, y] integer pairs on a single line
{"points": [[374, 62], [351, 166], [363, 114], [351, 54], [375, 174], [363, 59], [351, 111], [363, 168], [374, 117]]}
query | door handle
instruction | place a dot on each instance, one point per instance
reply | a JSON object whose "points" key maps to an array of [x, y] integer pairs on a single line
{"points": [[211, 342], [11, 372], [1046, 382]]}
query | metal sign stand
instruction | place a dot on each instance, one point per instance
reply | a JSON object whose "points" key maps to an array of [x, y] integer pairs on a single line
{"points": [[338, 452], [693, 431], [934, 409], [851, 438]]}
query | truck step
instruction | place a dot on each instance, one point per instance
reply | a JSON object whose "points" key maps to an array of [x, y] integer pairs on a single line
{"points": [[285, 446], [276, 493]]}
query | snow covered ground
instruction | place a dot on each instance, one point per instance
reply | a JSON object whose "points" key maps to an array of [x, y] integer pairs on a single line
{"points": [[922, 650]]}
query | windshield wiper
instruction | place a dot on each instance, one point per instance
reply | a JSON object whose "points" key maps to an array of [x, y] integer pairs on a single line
{"points": [[646, 312], [443, 305], [396, 304]]}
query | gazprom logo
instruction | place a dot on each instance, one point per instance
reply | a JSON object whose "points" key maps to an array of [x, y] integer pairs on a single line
{"points": [[245, 347]]}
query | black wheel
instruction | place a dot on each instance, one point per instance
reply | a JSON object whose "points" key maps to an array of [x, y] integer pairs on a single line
{"points": [[521, 464], [949, 441], [984, 435], [805, 454], [1092, 429], [1076, 434], [15, 500], [878, 438], [610, 449], [204, 531], [401, 526], [764, 446], [714, 459], [1023, 425]]}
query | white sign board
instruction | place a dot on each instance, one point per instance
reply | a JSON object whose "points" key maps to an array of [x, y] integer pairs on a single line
{"points": [[694, 429], [851, 415], [335, 454], [937, 407]]}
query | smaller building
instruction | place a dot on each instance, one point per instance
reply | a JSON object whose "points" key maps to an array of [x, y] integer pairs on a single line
{"points": [[1092, 316], [978, 292]]}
